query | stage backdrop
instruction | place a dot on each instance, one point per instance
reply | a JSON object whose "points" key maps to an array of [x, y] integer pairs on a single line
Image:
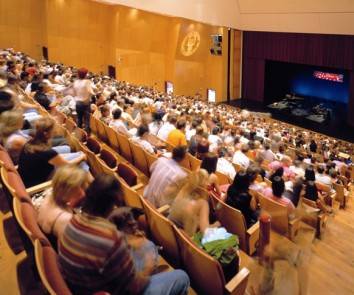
{"points": [[335, 51]]}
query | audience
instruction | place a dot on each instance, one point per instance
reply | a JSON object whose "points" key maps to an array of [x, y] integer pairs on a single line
{"points": [[94, 256]]}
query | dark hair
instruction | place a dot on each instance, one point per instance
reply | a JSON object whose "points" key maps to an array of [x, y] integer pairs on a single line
{"points": [[142, 129], [215, 130], [101, 195], [320, 169], [278, 186], [181, 124], [277, 173], [117, 113], [310, 174], [209, 162], [311, 192], [6, 103], [82, 73], [179, 153], [172, 119], [244, 148], [252, 172], [240, 184]]}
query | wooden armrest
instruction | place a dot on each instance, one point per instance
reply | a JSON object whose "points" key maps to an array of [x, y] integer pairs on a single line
{"points": [[137, 186], [163, 209], [38, 188], [240, 278], [254, 229], [294, 221]]}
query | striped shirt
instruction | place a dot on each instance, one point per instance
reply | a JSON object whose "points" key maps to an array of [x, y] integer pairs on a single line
{"points": [[94, 256], [165, 181]]}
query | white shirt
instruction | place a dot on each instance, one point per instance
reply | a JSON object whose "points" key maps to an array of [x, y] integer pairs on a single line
{"points": [[190, 133], [224, 166], [324, 179], [165, 130], [241, 159], [144, 144], [119, 126], [154, 127], [83, 90]]}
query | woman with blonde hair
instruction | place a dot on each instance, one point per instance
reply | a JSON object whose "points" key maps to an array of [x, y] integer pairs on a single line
{"points": [[68, 189], [38, 159], [12, 137], [190, 210]]}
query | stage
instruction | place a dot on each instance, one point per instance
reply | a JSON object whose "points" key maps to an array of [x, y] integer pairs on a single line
{"points": [[335, 126]]}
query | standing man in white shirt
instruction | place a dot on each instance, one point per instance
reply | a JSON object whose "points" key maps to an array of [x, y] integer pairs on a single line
{"points": [[83, 91]]}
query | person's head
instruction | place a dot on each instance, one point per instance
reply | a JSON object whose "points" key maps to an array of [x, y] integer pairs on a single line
{"points": [[279, 172], [209, 162], [333, 173], [179, 153], [82, 73], [68, 185], [181, 124], [104, 110], [117, 113], [172, 119], [278, 186], [196, 179], [311, 191], [142, 130], [44, 128], [215, 131], [310, 174], [320, 169], [199, 130], [10, 121], [252, 172], [245, 148], [286, 160], [241, 182], [101, 195], [6, 101]]}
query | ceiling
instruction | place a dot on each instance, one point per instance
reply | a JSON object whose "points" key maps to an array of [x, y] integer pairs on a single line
{"points": [[308, 16]]}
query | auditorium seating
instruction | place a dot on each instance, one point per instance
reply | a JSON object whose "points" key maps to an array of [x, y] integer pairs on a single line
{"points": [[234, 221]]}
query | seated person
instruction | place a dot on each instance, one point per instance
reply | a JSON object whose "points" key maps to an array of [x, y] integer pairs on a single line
{"points": [[239, 197], [38, 159], [278, 189], [117, 123], [105, 114], [189, 210], [56, 209], [94, 256], [209, 163], [141, 139], [177, 136]]}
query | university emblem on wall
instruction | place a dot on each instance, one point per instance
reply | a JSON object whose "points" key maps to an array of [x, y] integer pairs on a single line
{"points": [[190, 43]]}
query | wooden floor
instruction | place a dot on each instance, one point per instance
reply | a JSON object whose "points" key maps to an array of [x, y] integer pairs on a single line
{"points": [[330, 262]]}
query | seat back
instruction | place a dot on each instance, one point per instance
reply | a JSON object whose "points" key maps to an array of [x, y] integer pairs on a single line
{"points": [[93, 145], [127, 174], [163, 233], [101, 131], [26, 217], [48, 269], [112, 138], [93, 125], [340, 196], [13, 182], [108, 158], [94, 163], [70, 125], [124, 145], [194, 162], [278, 213], [139, 159], [80, 134], [150, 159], [222, 178], [130, 196], [233, 220], [204, 271]]}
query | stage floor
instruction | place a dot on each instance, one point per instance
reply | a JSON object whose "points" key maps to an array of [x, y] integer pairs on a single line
{"points": [[335, 127]]}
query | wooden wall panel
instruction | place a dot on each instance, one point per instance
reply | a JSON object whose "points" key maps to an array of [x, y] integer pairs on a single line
{"points": [[144, 47]]}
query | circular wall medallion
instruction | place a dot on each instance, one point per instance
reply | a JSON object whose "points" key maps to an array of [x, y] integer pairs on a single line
{"points": [[190, 43]]}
